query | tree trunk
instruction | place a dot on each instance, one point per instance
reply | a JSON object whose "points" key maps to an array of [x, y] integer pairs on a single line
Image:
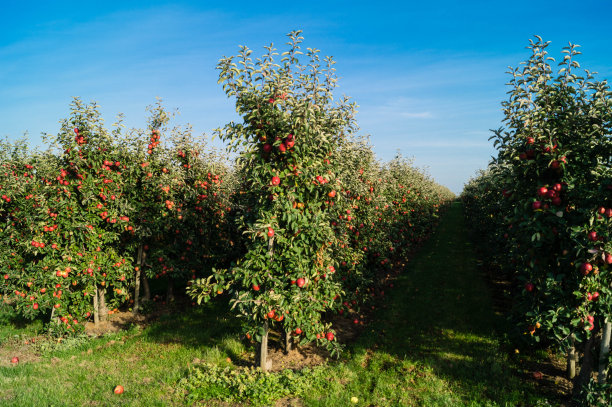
{"points": [[147, 289], [103, 311], [170, 291], [53, 318], [288, 346], [604, 352], [137, 281], [572, 358], [586, 369], [96, 308], [263, 350], [571, 363]]}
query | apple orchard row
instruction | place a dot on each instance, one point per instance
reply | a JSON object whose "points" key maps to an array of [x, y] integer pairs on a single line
{"points": [[83, 223], [543, 208]]}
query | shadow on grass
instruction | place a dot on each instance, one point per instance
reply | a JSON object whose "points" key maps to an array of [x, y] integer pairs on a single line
{"points": [[11, 322], [206, 326]]}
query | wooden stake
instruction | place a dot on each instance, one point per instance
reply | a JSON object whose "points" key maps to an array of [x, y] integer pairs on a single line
{"points": [[137, 281], [263, 350]]}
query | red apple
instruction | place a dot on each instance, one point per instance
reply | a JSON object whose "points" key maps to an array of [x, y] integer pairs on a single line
{"points": [[542, 191], [586, 268], [529, 287], [536, 205], [530, 140], [255, 287], [300, 282], [275, 181], [608, 258], [118, 389], [270, 232], [15, 360], [298, 331], [330, 336], [267, 148], [593, 236]]}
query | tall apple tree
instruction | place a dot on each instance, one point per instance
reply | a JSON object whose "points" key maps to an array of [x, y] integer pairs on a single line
{"points": [[285, 144]]}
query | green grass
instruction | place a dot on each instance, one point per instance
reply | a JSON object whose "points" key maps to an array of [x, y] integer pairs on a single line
{"points": [[436, 342], [148, 363]]}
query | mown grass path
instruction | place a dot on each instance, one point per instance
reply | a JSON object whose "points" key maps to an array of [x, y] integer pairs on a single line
{"points": [[436, 343]]}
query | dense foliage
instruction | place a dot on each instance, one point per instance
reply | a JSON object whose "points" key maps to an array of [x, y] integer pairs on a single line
{"points": [[78, 218], [543, 209]]}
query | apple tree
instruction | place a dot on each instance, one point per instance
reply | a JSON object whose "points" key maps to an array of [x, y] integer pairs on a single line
{"points": [[285, 144]]}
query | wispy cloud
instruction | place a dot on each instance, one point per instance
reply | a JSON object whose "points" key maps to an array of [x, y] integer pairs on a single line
{"points": [[417, 115]]}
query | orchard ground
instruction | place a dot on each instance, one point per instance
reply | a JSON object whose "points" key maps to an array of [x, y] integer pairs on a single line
{"points": [[433, 340]]}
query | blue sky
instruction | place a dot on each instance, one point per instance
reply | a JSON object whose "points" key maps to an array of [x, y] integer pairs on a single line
{"points": [[428, 77]]}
